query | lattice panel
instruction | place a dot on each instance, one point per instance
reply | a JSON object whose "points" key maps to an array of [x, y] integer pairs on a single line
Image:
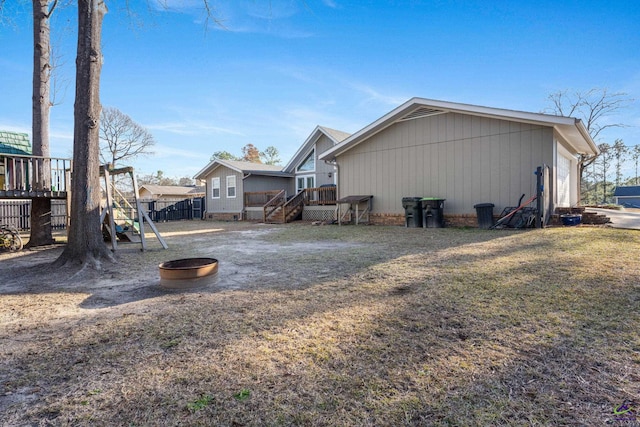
{"points": [[318, 215]]}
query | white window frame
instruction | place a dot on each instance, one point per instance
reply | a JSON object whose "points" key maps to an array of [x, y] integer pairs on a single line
{"points": [[215, 185], [311, 153], [305, 179], [232, 178]]}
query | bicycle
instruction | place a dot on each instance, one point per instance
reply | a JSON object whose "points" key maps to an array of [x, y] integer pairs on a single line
{"points": [[10, 238]]}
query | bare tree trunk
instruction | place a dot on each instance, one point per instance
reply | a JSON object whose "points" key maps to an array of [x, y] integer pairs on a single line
{"points": [[86, 244], [41, 207]]}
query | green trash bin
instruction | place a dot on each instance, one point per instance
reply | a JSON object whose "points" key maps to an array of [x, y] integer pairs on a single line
{"points": [[433, 212], [412, 211]]}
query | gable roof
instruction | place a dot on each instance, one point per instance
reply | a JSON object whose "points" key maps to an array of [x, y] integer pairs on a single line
{"points": [[572, 129], [627, 191], [241, 167], [14, 143], [336, 136], [171, 190]]}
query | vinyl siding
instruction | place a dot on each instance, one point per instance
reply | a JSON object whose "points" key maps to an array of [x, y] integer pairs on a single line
{"points": [[322, 169], [461, 158], [268, 183], [225, 204]]}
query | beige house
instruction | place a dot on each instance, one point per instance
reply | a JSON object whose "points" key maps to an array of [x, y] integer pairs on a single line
{"points": [[465, 154], [169, 192]]}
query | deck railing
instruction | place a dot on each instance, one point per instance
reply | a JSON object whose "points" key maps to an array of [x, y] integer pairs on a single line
{"points": [[20, 174], [293, 206], [272, 205], [253, 199], [320, 196]]}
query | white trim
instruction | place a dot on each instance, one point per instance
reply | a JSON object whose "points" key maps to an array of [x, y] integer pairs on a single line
{"points": [[235, 186], [213, 187], [312, 138], [305, 177], [306, 156]]}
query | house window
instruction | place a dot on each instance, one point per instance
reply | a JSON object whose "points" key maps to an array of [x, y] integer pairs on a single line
{"points": [[215, 188], [309, 163], [303, 182], [231, 186]]}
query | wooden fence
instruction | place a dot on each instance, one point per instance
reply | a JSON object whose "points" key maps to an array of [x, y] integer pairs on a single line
{"points": [[171, 210], [18, 213]]}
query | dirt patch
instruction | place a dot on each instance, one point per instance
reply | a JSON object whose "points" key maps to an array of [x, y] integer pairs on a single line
{"points": [[328, 325]]}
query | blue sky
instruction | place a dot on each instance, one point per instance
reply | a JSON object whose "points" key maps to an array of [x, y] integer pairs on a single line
{"points": [[279, 68]]}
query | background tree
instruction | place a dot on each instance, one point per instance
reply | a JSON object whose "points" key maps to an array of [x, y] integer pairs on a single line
{"points": [[185, 181], [250, 154], [85, 243], [604, 166], [223, 155], [619, 156], [121, 138], [40, 231], [160, 179], [270, 156], [592, 107], [635, 156]]}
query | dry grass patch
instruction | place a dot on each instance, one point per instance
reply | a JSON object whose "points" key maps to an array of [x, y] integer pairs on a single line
{"points": [[340, 326]]}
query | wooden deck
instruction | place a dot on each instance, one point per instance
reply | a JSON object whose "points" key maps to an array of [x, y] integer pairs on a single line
{"points": [[31, 177]]}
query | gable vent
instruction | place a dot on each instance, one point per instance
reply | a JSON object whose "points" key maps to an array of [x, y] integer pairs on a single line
{"points": [[420, 113]]}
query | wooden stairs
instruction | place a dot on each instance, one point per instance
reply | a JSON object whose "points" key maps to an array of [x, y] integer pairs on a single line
{"points": [[279, 210]]}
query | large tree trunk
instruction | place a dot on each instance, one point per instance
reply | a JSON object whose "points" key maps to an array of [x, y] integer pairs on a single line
{"points": [[86, 244], [41, 102]]}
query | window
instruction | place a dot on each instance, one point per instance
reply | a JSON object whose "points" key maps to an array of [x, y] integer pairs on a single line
{"points": [[307, 181], [231, 186], [309, 163], [215, 188]]}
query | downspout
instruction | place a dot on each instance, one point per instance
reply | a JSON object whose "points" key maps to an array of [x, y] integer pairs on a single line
{"points": [[334, 162]]}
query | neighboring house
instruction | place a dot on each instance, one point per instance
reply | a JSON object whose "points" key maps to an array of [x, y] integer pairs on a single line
{"points": [[170, 192], [228, 181], [628, 196], [254, 184], [465, 154]]}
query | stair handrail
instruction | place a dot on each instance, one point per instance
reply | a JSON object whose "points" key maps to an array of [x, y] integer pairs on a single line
{"points": [[276, 201], [292, 205]]}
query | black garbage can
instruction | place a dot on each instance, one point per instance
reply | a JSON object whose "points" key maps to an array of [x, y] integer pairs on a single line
{"points": [[412, 211], [433, 208], [484, 211]]}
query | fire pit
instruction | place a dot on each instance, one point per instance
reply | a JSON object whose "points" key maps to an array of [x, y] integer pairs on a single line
{"points": [[188, 273]]}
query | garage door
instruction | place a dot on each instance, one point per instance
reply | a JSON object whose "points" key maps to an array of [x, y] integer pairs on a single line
{"points": [[564, 181]]}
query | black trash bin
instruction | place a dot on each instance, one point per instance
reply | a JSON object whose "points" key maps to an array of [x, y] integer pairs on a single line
{"points": [[433, 208], [412, 211], [484, 211]]}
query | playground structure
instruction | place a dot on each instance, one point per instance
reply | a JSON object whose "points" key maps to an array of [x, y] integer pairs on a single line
{"points": [[120, 220]]}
